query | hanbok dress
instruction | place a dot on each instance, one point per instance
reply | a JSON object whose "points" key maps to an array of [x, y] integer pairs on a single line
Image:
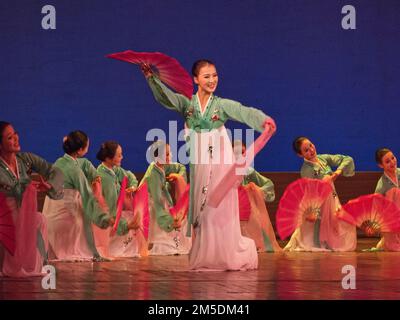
{"points": [[116, 246], [163, 238], [257, 225], [70, 219], [389, 241], [30, 225], [327, 233], [218, 243]]}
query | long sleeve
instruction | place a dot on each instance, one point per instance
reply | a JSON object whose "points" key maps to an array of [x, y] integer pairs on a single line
{"points": [[51, 174], [121, 173], [265, 184], [88, 169], [175, 168], [110, 194], [385, 184], [344, 163], [164, 219], [91, 207], [167, 97], [252, 117], [380, 187]]}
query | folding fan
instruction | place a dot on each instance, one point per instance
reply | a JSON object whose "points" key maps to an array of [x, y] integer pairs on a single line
{"points": [[394, 196], [141, 208], [374, 214], [120, 203], [302, 200], [179, 211], [167, 69]]}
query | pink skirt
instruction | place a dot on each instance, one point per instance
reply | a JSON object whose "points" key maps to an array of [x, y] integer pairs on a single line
{"points": [[27, 260]]}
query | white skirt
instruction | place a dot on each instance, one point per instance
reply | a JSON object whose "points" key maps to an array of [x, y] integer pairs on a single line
{"points": [[334, 234], [66, 227], [126, 246], [218, 243]]}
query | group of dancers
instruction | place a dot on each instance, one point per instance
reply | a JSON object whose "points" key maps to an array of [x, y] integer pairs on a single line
{"points": [[79, 215]]}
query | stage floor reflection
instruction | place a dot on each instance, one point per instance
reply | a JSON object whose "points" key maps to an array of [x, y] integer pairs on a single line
{"points": [[280, 276]]}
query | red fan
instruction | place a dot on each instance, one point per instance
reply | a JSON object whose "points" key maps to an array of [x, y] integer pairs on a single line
{"points": [[7, 227], [394, 196], [120, 203], [374, 214], [167, 69], [141, 208], [301, 201], [182, 205], [244, 204]]}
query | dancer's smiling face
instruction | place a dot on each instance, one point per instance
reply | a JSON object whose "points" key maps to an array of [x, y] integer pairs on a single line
{"points": [[207, 79], [308, 150], [9, 140], [389, 162]]}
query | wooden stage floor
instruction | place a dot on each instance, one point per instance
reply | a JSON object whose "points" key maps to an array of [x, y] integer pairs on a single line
{"points": [[280, 276]]}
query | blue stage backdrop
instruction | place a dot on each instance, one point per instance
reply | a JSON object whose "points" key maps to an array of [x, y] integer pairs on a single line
{"points": [[290, 58]]}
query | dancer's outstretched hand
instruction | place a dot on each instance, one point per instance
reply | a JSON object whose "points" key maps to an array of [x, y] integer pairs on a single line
{"points": [[269, 124]]}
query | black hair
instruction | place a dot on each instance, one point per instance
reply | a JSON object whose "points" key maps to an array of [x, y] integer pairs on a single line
{"points": [[74, 141], [197, 65], [297, 144], [3, 126], [380, 153], [107, 150]]}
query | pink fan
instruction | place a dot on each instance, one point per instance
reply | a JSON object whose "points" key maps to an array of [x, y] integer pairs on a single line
{"points": [[394, 196], [302, 200], [237, 170], [120, 203], [244, 204], [182, 205], [374, 214], [141, 207], [167, 69], [7, 227]]}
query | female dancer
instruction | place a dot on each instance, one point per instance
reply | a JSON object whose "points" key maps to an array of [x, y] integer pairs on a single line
{"points": [[218, 243], [389, 180], [259, 190], [166, 233], [21, 198], [70, 220], [327, 232], [112, 174]]}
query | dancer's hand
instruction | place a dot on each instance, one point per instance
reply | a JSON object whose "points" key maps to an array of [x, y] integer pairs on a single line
{"points": [[111, 222], [134, 224], [177, 223], [269, 124], [172, 177], [42, 185], [333, 176], [146, 69], [130, 190]]}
